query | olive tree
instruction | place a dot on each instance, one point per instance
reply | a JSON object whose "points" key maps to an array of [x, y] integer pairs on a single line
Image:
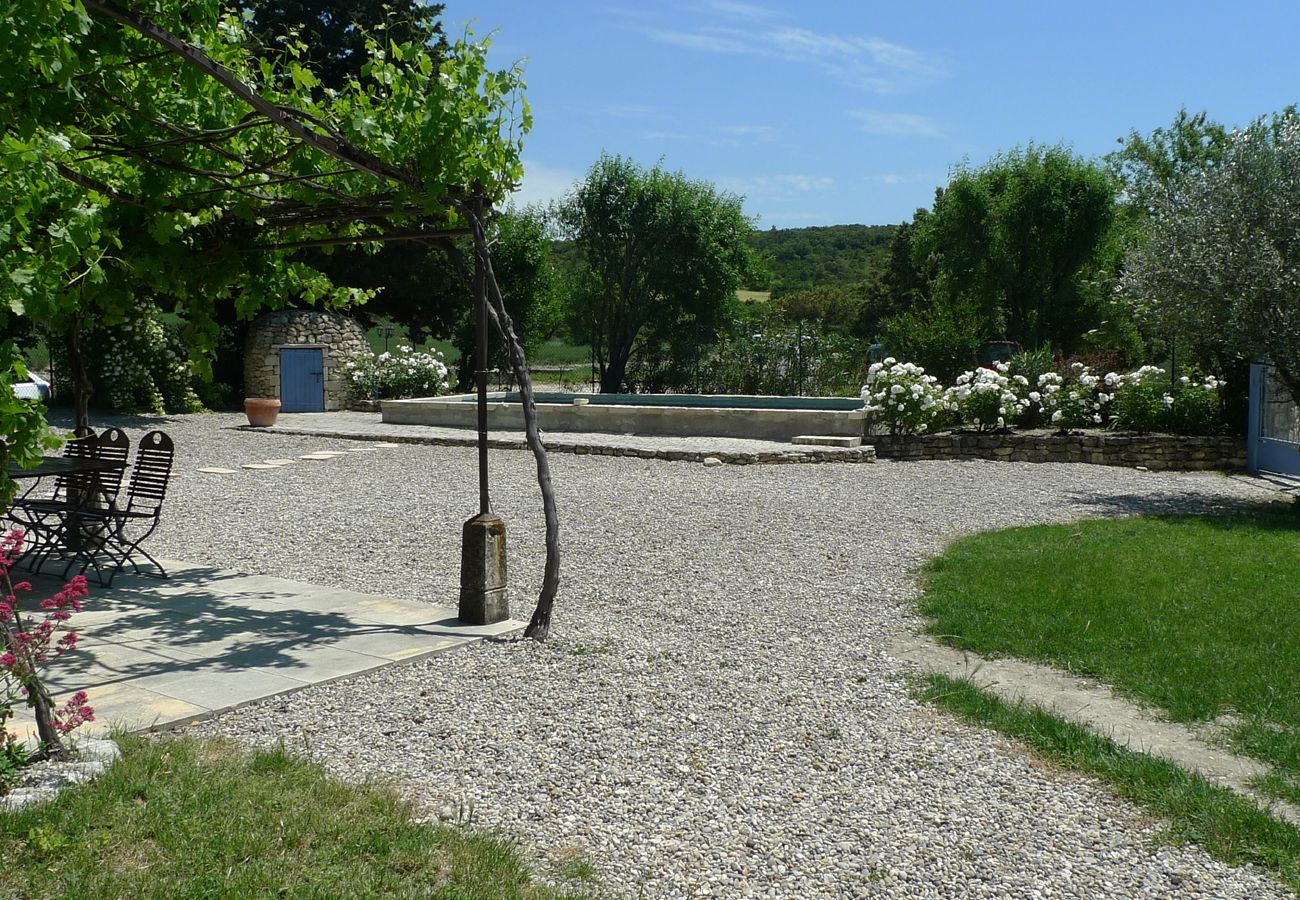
{"points": [[1221, 260], [660, 253]]}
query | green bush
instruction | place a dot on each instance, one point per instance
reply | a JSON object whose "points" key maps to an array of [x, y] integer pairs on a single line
{"points": [[1146, 402], [1140, 400], [1197, 408], [141, 365], [944, 339], [764, 357]]}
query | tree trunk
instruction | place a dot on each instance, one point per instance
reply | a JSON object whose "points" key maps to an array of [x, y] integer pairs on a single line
{"points": [[81, 383], [38, 697], [611, 377]]}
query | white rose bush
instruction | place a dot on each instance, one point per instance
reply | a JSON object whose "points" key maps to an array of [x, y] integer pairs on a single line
{"points": [[393, 376], [1074, 400], [141, 365], [901, 399], [988, 398], [1146, 401]]}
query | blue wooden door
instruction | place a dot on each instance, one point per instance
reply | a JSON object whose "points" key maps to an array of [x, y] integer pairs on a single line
{"points": [[302, 380]]}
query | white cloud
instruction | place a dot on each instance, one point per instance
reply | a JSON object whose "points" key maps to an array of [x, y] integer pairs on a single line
{"points": [[867, 62], [776, 186], [897, 123], [736, 9], [665, 136], [891, 179], [628, 111], [543, 184], [758, 132]]}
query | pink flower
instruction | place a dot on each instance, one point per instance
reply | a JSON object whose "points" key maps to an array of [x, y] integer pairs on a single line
{"points": [[7, 660], [74, 713]]}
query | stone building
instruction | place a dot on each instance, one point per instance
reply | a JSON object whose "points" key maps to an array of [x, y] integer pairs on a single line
{"points": [[298, 356]]}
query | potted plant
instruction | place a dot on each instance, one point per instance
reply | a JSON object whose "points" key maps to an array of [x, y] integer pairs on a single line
{"points": [[261, 411]]}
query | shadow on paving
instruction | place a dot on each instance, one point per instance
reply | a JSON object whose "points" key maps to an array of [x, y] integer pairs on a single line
{"points": [[206, 639]]}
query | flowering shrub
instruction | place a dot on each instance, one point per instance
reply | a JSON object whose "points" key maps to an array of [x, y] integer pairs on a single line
{"points": [[405, 373], [903, 398], [25, 650], [1141, 399], [1197, 407], [1073, 402], [1145, 401], [142, 365], [987, 398]]}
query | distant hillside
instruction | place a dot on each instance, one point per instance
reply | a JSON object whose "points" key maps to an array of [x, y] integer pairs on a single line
{"points": [[830, 254], [798, 258]]}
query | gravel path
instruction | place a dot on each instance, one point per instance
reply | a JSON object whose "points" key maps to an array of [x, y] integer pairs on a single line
{"points": [[715, 713]]}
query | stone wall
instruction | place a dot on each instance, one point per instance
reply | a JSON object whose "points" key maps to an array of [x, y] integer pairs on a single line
{"points": [[340, 338], [1154, 451]]}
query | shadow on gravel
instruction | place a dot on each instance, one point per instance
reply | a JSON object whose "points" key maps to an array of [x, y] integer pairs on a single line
{"points": [[1186, 502]]}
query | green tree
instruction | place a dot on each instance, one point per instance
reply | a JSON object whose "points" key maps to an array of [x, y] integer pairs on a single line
{"points": [[902, 283], [131, 173], [529, 280], [1221, 261], [1149, 167], [662, 254], [1015, 238], [834, 309], [333, 34]]}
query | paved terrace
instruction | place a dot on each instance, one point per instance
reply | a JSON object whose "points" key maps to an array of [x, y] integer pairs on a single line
{"points": [[156, 652]]}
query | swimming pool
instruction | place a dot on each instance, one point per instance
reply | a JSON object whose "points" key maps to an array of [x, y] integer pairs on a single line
{"points": [[710, 415]]}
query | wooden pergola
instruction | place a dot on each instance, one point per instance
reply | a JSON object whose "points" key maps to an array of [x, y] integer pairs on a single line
{"points": [[336, 214]]}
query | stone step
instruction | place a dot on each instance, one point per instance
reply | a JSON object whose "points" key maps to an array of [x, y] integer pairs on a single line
{"points": [[829, 440]]}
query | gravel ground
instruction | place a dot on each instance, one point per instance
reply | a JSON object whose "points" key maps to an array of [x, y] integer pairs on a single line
{"points": [[715, 713]]}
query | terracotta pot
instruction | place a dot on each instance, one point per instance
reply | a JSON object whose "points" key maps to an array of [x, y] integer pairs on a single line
{"points": [[261, 411]]}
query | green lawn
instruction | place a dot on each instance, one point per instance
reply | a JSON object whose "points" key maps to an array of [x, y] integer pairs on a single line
{"points": [[177, 818], [1199, 615]]}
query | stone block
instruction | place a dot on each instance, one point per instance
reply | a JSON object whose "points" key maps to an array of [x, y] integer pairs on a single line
{"points": [[483, 599]]}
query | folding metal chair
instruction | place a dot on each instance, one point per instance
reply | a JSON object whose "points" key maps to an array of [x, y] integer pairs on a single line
{"points": [[124, 527], [39, 514]]}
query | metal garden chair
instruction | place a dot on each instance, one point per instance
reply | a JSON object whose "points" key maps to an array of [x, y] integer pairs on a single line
{"points": [[41, 514], [125, 526]]}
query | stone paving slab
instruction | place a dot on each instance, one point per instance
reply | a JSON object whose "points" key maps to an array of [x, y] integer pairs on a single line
{"points": [[368, 427], [154, 652]]}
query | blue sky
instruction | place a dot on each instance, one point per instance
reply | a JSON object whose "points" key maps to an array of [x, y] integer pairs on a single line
{"points": [[824, 113]]}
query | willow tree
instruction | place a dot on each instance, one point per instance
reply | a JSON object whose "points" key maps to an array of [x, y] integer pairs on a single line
{"points": [[163, 155]]}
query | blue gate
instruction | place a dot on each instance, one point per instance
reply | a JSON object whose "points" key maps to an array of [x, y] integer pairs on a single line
{"points": [[302, 380], [1273, 436]]}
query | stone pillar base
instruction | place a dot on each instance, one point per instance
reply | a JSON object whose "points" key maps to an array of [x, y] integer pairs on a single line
{"points": [[483, 599]]}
